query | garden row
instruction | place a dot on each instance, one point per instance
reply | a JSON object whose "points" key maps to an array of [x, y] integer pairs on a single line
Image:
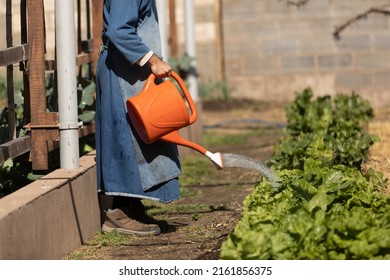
{"points": [[324, 206]]}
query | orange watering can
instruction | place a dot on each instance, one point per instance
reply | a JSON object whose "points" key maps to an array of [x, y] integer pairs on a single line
{"points": [[159, 111]]}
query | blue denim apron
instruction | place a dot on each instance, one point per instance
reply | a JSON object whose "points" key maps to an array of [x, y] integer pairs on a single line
{"points": [[125, 165]]}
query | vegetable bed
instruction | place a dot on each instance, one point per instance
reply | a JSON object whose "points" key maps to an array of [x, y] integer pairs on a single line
{"points": [[324, 206]]}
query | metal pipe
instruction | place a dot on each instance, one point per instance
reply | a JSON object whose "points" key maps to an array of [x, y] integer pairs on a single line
{"points": [[66, 83], [191, 48], [162, 18]]}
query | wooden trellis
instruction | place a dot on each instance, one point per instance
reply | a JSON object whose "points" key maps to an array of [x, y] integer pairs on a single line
{"points": [[30, 55]]}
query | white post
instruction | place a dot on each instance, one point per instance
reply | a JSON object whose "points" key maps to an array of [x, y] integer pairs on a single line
{"points": [[191, 48], [66, 82], [162, 18]]}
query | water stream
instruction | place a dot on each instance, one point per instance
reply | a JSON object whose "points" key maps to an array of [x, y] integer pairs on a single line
{"points": [[236, 160]]}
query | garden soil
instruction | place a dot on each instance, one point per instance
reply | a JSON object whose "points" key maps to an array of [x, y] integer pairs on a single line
{"points": [[195, 226]]}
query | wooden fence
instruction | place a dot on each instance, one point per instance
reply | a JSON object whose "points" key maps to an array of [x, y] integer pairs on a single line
{"points": [[43, 135]]}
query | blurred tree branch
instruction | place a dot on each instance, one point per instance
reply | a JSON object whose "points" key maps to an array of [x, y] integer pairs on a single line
{"points": [[373, 10], [336, 34]]}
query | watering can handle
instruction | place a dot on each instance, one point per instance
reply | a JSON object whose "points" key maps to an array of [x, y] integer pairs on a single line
{"points": [[194, 113]]}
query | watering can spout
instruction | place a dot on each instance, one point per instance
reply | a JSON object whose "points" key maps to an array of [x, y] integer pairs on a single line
{"points": [[216, 158], [174, 137]]}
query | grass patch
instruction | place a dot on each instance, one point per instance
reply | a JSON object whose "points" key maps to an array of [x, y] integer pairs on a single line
{"points": [[113, 238], [163, 209], [196, 169], [91, 248], [211, 139], [238, 136]]}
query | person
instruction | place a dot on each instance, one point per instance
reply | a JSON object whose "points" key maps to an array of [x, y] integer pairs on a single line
{"points": [[129, 170]]}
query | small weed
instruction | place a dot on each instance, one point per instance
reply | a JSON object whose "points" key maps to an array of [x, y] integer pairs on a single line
{"points": [[99, 240], [75, 256], [113, 238], [195, 217]]}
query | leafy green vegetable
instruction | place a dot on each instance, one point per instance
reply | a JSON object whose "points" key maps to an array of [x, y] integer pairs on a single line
{"points": [[325, 208]]}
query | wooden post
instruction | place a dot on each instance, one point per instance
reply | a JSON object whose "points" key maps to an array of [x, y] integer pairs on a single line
{"points": [[10, 76], [36, 39], [97, 19], [172, 28], [219, 38]]}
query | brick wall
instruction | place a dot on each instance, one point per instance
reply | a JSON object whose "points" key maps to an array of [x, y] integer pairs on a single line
{"points": [[273, 50]]}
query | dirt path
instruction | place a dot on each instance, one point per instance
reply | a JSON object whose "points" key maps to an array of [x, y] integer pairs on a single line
{"points": [[379, 154], [196, 225]]}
